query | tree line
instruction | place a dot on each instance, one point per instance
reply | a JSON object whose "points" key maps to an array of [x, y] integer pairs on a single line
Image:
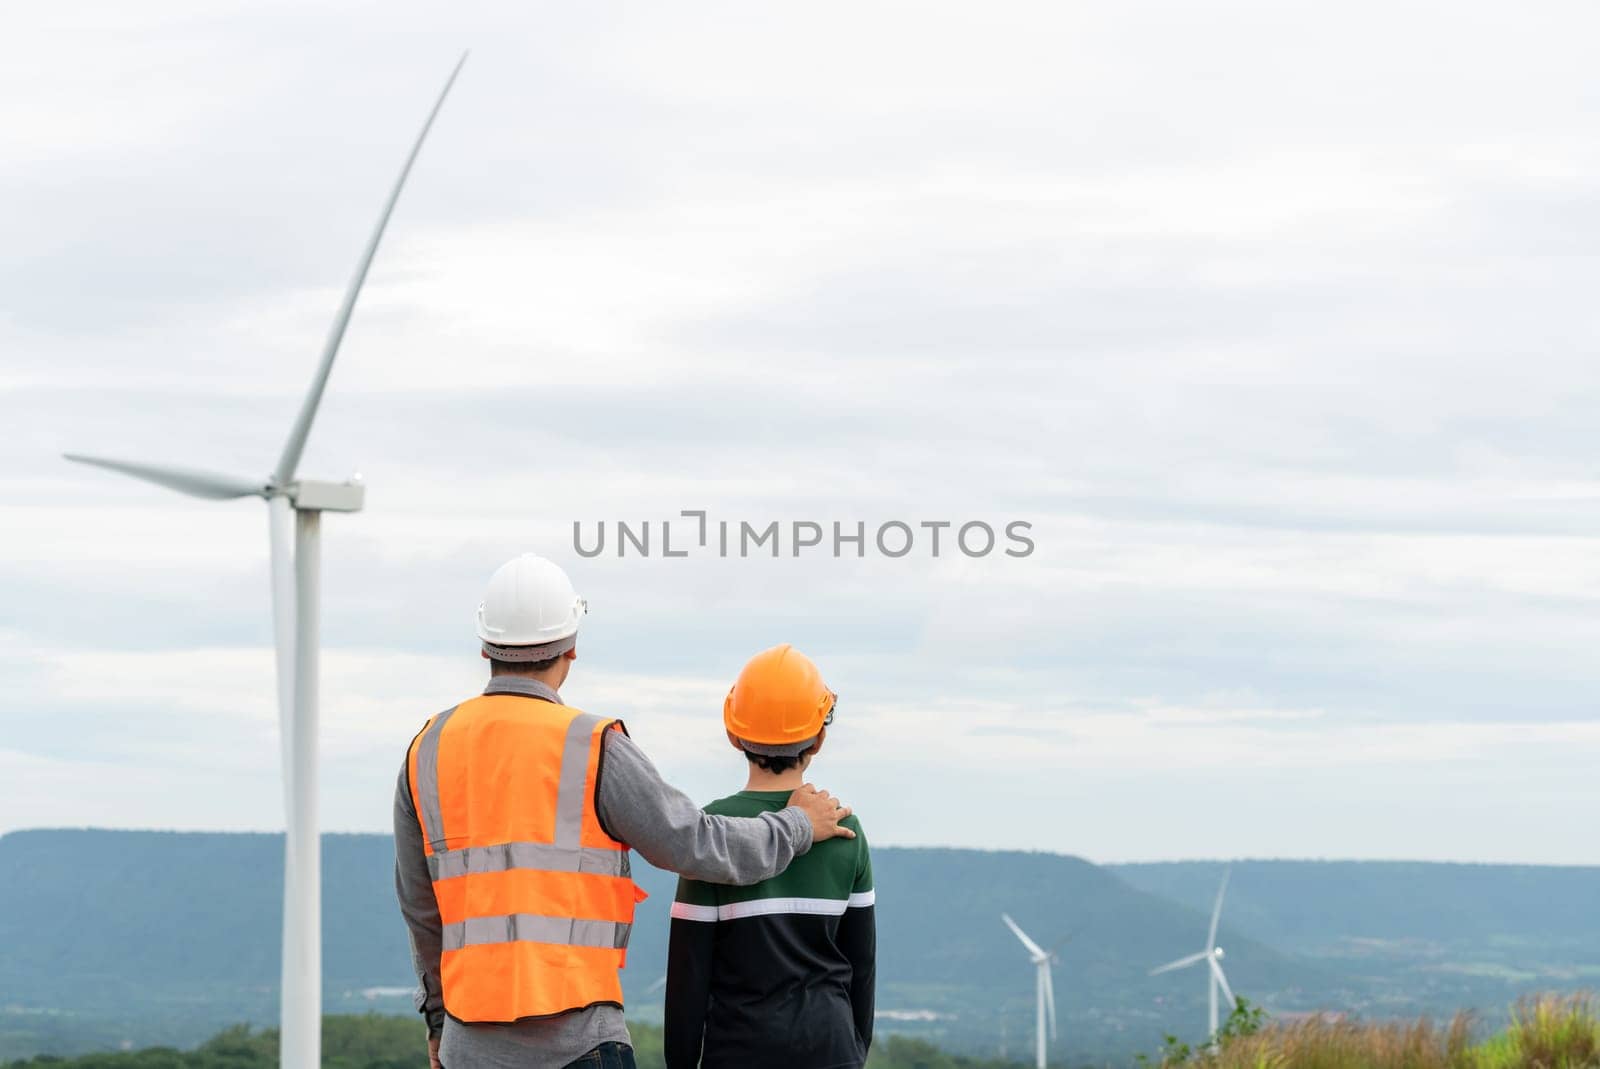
{"points": [[375, 1041]]}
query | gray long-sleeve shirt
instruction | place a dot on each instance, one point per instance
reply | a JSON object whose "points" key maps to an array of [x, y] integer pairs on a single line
{"points": [[637, 807]]}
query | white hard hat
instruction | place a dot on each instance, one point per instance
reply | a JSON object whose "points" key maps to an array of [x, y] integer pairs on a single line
{"points": [[529, 602]]}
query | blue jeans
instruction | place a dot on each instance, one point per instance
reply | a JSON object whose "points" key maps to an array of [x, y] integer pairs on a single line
{"points": [[606, 1056]]}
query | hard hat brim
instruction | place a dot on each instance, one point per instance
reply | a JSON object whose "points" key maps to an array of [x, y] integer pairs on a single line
{"points": [[778, 749], [544, 651]]}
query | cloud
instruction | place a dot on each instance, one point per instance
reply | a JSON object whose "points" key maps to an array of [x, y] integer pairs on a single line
{"points": [[1277, 335], [204, 728]]}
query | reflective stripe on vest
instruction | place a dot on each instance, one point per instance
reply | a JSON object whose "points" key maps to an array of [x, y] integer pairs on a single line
{"points": [[535, 899], [504, 856], [427, 785], [529, 927]]}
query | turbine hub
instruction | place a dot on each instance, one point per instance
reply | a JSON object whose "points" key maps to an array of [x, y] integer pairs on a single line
{"points": [[1218, 951]]}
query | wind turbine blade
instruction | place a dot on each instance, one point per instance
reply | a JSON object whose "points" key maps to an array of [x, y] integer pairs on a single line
{"points": [[1033, 948], [1181, 963], [283, 474], [1216, 912], [1049, 998], [191, 481], [1216, 970], [1064, 940]]}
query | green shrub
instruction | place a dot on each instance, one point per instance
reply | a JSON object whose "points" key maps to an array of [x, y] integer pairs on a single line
{"points": [[1556, 1033]]}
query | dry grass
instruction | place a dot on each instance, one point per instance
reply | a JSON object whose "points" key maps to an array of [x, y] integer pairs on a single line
{"points": [[1546, 1033], [1324, 1043]]}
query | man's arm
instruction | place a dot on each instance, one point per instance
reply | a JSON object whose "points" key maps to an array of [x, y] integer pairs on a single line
{"points": [[858, 939], [691, 951], [414, 888], [637, 807]]}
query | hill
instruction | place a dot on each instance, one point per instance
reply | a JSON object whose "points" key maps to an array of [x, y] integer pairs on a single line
{"points": [[944, 951], [1315, 906], [152, 937], [1415, 937], [163, 937]]}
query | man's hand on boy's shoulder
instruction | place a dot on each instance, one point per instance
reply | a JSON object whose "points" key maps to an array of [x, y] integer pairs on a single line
{"points": [[825, 812]]}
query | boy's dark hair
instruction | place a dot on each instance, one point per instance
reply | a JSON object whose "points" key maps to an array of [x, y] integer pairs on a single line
{"points": [[769, 763]]}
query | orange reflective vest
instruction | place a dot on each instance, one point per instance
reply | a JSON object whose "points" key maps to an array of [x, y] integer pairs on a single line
{"points": [[535, 898]]}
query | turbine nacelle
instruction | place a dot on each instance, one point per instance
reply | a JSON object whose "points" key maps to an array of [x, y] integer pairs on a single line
{"points": [[310, 495]]}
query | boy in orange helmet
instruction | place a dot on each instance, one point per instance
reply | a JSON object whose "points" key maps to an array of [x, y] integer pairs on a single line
{"points": [[781, 972]]}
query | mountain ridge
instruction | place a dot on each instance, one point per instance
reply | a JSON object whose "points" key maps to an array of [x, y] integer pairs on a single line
{"points": [[165, 935]]}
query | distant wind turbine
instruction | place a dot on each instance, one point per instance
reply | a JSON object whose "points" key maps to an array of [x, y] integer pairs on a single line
{"points": [[295, 579], [1044, 989], [1215, 977]]}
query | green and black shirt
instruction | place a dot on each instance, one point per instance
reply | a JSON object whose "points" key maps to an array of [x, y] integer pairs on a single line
{"points": [[779, 973]]}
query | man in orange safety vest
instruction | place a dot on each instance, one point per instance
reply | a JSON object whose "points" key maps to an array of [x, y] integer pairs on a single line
{"points": [[514, 814]]}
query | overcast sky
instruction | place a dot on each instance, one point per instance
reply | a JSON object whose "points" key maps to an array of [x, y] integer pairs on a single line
{"points": [[1277, 322]]}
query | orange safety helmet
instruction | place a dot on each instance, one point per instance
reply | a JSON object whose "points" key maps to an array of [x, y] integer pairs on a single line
{"points": [[778, 700]]}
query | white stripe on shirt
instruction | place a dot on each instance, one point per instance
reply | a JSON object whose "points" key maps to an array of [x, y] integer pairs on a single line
{"points": [[766, 907]]}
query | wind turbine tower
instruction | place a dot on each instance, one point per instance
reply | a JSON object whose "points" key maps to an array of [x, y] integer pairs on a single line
{"points": [[1212, 955], [296, 575], [1043, 989]]}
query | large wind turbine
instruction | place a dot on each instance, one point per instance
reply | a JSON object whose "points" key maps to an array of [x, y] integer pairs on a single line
{"points": [[295, 577], [1212, 954], [1044, 990]]}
